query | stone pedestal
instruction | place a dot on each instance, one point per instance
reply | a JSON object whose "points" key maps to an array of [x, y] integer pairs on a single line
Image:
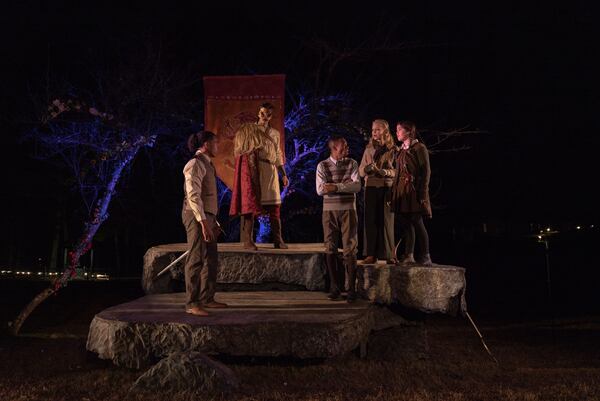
{"points": [[302, 265], [437, 288]]}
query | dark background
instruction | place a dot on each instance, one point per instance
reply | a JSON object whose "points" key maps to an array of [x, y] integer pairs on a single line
{"points": [[526, 75]]}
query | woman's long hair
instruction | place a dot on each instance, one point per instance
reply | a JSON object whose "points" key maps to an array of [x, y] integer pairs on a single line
{"points": [[388, 140], [409, 127]]}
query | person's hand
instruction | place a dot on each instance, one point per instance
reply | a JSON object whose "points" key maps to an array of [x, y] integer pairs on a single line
{"points": [[370, 168], [208, 231], [425, 206], [379, 172], [285, 181], [329, 188], [217, 229]]}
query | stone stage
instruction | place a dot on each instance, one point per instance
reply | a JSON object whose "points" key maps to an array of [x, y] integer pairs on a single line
{"points": [[303, 324], [439, 288], [301, 265]]}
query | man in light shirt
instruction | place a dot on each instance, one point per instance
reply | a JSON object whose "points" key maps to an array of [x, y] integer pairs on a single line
{"points": [[199, 218], [337, 181]]}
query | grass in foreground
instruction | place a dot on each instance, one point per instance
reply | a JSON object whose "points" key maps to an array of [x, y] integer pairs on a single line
{"points": [[538, 361]]}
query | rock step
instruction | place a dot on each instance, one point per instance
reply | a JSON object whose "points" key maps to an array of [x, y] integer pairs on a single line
{"points": [[430, 289], [301, 264], [303, 324]]}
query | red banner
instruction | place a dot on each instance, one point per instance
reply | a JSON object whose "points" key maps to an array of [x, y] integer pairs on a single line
{"points": [[230, 101]]}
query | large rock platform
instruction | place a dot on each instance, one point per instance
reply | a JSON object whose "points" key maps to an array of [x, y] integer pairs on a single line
{"points": [[430, 289], [302, 265], [300, 324]]}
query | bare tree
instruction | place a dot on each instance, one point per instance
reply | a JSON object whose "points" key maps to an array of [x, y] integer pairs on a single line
{"points": [[96, 133]]}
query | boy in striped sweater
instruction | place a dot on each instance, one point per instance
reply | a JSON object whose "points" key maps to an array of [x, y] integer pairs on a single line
{"points": [[337, 182]]}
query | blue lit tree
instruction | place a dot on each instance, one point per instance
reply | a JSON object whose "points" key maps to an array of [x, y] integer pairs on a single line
{"points": [[97, 133]]}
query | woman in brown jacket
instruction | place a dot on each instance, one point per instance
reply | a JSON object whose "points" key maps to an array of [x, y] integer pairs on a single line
{"points": [[410, 192], [377, 168]]}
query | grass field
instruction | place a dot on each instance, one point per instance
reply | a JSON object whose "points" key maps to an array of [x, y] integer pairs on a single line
{"points": [[539, 359]]}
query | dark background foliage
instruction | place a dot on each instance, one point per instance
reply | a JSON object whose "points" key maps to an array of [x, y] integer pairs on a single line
{"points": [[523, 74]]}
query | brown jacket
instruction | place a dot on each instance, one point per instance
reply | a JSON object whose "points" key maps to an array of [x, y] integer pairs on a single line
{"points": [[410, 192], [385, 163]]}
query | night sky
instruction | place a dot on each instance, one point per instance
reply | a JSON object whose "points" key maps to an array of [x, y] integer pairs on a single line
{"points": [[526, 75]]}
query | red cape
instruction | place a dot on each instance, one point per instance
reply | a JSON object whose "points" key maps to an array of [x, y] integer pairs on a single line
{"points": [[245, 194]]}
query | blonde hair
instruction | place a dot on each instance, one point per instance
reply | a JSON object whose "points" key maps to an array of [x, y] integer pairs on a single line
{"points": [[247, 139], [388, 140]]}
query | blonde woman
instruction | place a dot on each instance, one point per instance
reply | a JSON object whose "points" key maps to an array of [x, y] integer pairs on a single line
{"points": [[378, 169]]}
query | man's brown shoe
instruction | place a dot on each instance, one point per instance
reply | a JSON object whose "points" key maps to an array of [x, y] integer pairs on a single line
{"points": [[196, 311], [369, 260], [215, 305], [249, 246]]}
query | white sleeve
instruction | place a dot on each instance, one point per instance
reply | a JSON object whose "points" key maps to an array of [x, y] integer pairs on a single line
{"points": [[194, 173], [277, 140], [320, 179]]}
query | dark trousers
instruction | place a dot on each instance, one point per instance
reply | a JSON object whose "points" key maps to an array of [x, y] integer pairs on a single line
{"points": [[378, 223], [344, 224], [412, 224], [201, 263]]}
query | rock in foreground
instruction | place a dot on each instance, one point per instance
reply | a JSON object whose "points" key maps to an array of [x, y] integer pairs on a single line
{"points": [[192, 372], [428, 289]]}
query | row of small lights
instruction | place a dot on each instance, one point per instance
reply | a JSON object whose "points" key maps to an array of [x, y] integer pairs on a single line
{"points": [[548, 230], [28, 273], [24, 273]]}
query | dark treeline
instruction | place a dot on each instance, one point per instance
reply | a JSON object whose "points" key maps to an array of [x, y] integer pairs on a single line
{"points": [[517, 74]]}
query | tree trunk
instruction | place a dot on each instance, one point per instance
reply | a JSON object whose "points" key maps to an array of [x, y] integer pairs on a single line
{"points": [[85, 241], [41, 297]]}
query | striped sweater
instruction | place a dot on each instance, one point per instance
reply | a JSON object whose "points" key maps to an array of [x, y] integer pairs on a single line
{"points": [[344, 174]]}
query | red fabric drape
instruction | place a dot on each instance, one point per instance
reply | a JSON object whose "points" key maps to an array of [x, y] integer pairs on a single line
{"points": [[245, 194]]}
